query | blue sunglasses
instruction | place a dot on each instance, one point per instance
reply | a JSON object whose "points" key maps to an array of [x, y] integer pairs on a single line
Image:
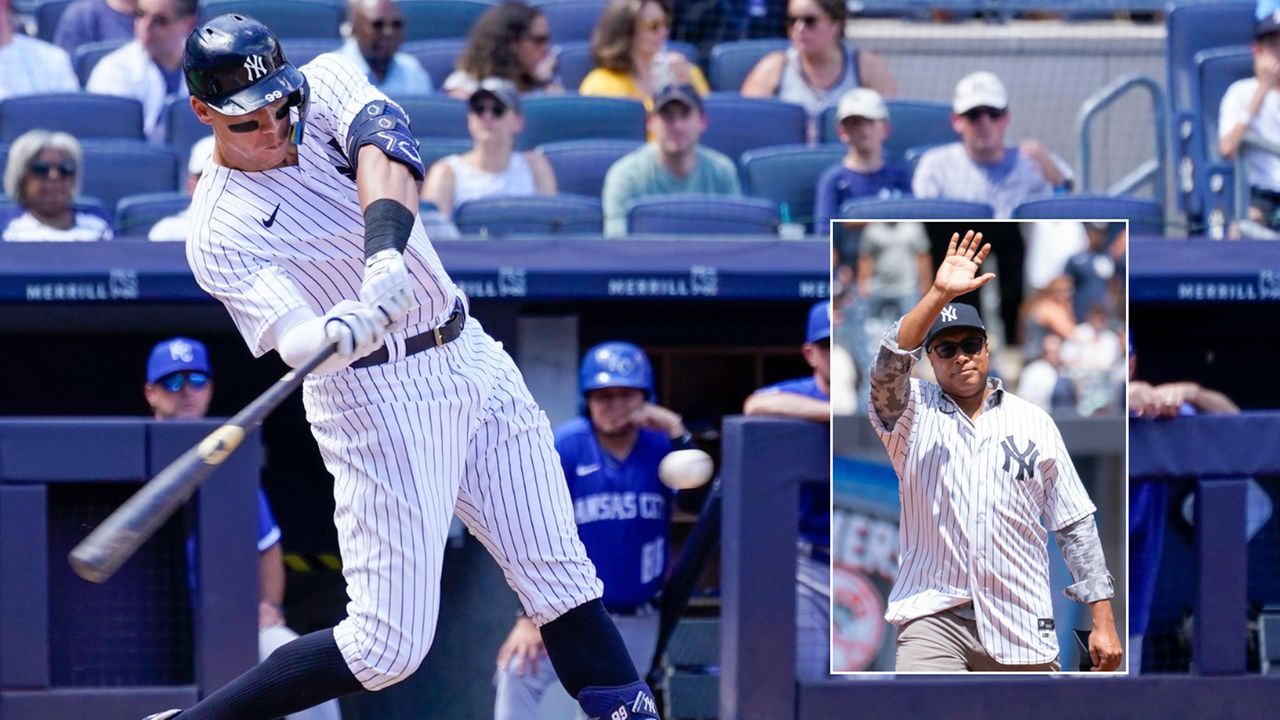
{"points": [[174, 381]]}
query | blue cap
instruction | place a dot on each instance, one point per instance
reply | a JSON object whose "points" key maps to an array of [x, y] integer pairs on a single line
{"points": [[175, 355], [955, 315], [819, 322]]}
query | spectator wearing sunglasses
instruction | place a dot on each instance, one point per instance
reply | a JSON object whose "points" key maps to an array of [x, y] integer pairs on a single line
{"points": [[179, 387], [981, 167], [629, 49], [818, 68], [42, 177], [492, 166], [377, 31], [511, 41], [149, 69]]}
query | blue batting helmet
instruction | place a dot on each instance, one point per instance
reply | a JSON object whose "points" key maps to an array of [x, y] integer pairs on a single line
{"points": [[616, 364]]}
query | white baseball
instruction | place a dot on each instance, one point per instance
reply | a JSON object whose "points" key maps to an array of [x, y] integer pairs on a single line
{"points": [[685, 469]]}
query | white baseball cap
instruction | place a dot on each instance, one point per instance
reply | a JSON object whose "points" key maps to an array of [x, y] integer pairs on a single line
{"points": [[980, 89], [862, 102]]}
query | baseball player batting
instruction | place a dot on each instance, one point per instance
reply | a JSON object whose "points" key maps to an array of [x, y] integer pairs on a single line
{"points": [[304, 226], [978, 468], [610, 456]]}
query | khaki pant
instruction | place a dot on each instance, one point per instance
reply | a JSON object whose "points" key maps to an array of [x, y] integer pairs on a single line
{"points": [[947, 642]]}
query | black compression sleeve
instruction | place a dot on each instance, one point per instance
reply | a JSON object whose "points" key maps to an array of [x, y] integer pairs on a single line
{"points": [[387, 224]]}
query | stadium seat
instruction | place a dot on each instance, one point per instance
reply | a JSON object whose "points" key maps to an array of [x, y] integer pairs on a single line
{"points": [[915, 209], [438, 116], [1145, 216], [911, 123], [86, 56], [1216, 69], [570, 19], [702, 215], [580, 165], [788, 175], [85, 115], [299, 51], [736, 124], [538, 214], [730, 62], [431, 149], [116, 168], [287, 18], [135, 214], [183, 129], [48, 12], [430, 19], [438, 57], [576, 117]]}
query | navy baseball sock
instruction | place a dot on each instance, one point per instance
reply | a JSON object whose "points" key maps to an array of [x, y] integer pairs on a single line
{"points": [[301, 674], [586, 649]]}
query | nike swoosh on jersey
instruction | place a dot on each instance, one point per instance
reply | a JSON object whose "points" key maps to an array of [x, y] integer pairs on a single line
{"points": [[586, 469], [271, 220]]}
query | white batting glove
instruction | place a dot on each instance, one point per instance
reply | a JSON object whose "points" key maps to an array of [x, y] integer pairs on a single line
{"points": [[357, 329], [386, 286]]}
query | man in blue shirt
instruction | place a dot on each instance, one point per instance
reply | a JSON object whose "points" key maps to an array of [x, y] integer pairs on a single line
{"points": [[377, 31], [610, 457], [809, 398]]}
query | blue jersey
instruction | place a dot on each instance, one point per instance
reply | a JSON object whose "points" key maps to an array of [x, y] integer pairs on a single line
{"points": [[268, 531], [815, 500], [622, 509]]}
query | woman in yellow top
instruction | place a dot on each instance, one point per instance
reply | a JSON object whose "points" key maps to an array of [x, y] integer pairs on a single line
{"points": [[628, 46]]}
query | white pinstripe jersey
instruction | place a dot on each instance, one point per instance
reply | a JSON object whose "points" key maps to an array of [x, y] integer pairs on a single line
{"points": [[267, 243], [978, 499]]}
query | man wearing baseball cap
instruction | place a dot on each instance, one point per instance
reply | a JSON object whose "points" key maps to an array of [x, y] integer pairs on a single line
{"points": [[1253, 105], [862, 123], [671, 163], [978, 469]]}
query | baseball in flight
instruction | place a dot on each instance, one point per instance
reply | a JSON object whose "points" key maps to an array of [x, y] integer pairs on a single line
{"points": [[686, 469]]}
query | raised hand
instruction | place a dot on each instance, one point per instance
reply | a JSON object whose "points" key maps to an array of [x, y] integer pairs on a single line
{"points": [[958, 272]]}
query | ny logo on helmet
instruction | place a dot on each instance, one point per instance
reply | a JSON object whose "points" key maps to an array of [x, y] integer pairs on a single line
{"points": [[255, 66]]}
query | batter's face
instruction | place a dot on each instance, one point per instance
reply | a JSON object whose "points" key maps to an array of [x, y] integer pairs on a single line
{"points": [[963, 375], [185, 404], [48, 183], [254, 142], [613, 410]]}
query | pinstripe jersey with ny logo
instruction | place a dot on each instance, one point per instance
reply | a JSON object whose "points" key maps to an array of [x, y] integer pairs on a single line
{"points": [[978, 500]]}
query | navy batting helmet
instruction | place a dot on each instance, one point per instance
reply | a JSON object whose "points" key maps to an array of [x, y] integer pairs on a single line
{"points": [[234, 64], [616, 364]]}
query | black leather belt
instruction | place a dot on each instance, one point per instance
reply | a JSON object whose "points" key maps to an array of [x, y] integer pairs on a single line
{"points": [[446, 333]]}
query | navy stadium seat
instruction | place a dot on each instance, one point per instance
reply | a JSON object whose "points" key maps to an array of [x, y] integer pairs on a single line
{"points": [[87, 55], [915, 209], [286, 18], [580, 165], [299, 51], [183, 129], [1216, 69], [731, 62], [84, 115], [736, 124], [694, 214], [428, 19], [437, 116], [575, 117], [570, 19], [116, 168], [911, 123], [1145, 216], [438, 57], [530, 214], [135, 214], [433, 148], [788, 175], [48, 12]]}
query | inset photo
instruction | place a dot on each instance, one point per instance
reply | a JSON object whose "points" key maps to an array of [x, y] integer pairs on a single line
{"points": [[979, 504]]}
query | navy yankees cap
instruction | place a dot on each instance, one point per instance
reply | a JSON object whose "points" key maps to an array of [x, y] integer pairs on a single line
{"points": [[684, 94], [955, 315], [175, 355]]}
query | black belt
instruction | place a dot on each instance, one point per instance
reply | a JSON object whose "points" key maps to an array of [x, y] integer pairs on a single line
{"points": [[446, 333]]}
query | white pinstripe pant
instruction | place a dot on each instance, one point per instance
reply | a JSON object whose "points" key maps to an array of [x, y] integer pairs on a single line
{"points": [[410, 442]]}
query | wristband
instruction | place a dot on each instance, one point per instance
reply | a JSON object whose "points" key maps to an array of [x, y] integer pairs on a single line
{"points": [[387, 224]]}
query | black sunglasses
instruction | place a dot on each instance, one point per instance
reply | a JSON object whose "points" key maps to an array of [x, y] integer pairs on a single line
{"points": [[973, 114], [969, 346], [381, 25], [809, 21], [173, 382], [66, 168], [480, 107]]}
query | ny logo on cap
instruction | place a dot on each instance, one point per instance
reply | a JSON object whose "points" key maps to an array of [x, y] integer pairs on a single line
{"points": [[255, 66], [948, 313], [181, 351]]}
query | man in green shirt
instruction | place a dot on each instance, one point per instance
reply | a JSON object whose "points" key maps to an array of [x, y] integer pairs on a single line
{"points": [[671, 163]]}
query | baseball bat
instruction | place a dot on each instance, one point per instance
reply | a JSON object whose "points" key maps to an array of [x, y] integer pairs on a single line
{"points": [[99, 555]]}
